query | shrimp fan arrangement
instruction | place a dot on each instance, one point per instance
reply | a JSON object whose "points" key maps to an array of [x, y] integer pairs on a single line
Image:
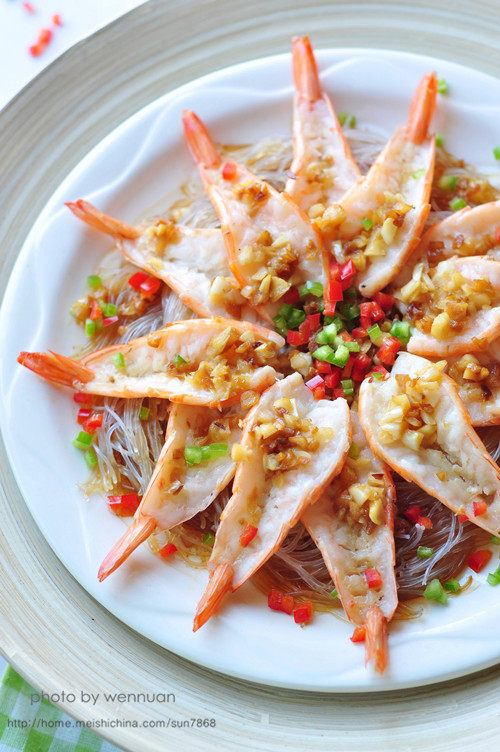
{"points": [[333, 338]]}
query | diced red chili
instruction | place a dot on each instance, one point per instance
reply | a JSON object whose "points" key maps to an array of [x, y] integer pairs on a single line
{"points": [[95, 310], [358, 635], [302, 613], [425, 522], [93, 422], [296, 338], [359, 332], [388, 350], [36, 49], [463, 518], [168, 550], [382, 370], [361, 364], [478, 560], [82, 398], [497, 234], [319, 392], [83, 414], [56, 19], [338, 393], [305, 329], [29, 8], [45, 36], [315, 382], [291, 295], [314, 320], [347, 369], [347, 272], [329, 308], [137, 279], [373, 578], [110, 320], [365, 310], [384, 300], [150, 287], [413, 513], [279, 601], [334, 271], [125, 505], [377, 312], [480, 508], [322, 366], [334, 291], [248, 534], [365, 322], [333, 379], [229, 170]]}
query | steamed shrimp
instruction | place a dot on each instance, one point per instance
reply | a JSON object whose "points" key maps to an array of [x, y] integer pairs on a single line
{"points": [[352, 525], [379, 220], [416, 422], [322, 168], [271, 244], [177, 491], [291, 447], [207, 362], [191, 261]]}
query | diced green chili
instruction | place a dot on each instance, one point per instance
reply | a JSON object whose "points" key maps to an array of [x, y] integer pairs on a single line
{"points": [[118, 360], [424, 552], [311, 288], [452, 586], [94, 281], [83, 440], [447, 182], [457, 203], [89, 328], [402, 331], [144, 413], [435, 592]]}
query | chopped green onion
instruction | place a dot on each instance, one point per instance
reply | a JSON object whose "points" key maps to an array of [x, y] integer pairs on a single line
{"points": [[424, 552], [402, 331], [144, 413], [327, 334], [347, 387], [367, 223], [435, 592], [324, 353], [351, 346], [346, 119], [334, 593], [457, 203], [193, 455], [208, 539], [492, 580], [439, 139], [418, 173], [94, 282], [296, 317], [341, 356], [496, 152], [118, 360], [311, 288], [349, 310], [90, 458], [285, 310], [108, 309], [89, 328], [213, 451], [378, 376], [354, 450], [447, 182], [339, 324], [280, 325], [442, 86], [452, 586], [83, 440], [495, 540], [375, 333], [178, 361]]}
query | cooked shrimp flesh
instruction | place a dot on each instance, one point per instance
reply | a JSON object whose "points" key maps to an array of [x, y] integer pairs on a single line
{"points": [[352, 525], [209, 362], [416, 422], [179, 489], [322, 168], [271, 244], [379, 221], [454, 308], [291, 447], [191, 261]]}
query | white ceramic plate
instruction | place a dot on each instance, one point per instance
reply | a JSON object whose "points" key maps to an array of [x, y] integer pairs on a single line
{"points": [[136, 164]]}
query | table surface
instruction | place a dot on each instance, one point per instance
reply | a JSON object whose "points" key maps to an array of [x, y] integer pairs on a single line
{"points": [[19, 29]]}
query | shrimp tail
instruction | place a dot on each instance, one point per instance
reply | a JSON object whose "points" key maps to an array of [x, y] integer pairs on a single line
{"points": [[56, 368], [199, 142], [102, 222], [305, 70], [137, 533], [376, 648], [220, 582], [422, 108]]}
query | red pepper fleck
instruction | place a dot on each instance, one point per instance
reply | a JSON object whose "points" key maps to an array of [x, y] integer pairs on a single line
{"points": [[150, 287], [57, 20], [314, 320], [302, 613], [29, 8], [137, 279], [83, 414], [322, 366], [36, 50], [359, 332], [478, 560], [95, 310], [229, 170], [384, 300], [248, 534], [94, 421], [296, 338], [358, 635], [388, 350], [373, 578], [347, 272], [425, 522], [361, 364], [278, 601], [333, 379], [291, 296], [125, 505], [82, 398], [463, 518], [334, 291], [413, 513], [319, 392], [44, 36], [480, 508], [377, 312], [167, 550]]}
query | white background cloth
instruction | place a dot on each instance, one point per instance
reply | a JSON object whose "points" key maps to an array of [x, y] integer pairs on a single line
{"points": [[19, 29]]}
